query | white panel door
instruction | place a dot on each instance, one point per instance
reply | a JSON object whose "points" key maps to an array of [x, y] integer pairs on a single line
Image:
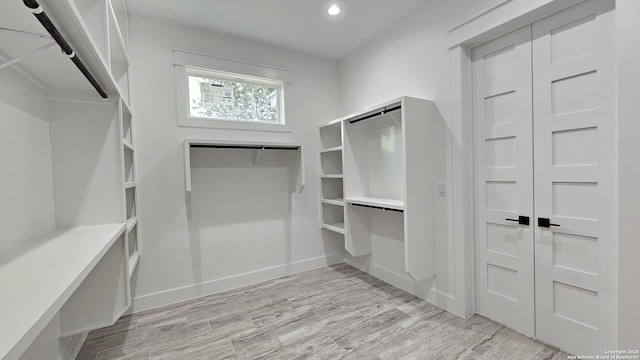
{"points": [[504, 169], [575, 167]]}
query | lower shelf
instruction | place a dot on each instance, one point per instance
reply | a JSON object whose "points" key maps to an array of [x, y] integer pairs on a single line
{"points": [[338, 227], [337, 202], [50, 268], [377, 202]]}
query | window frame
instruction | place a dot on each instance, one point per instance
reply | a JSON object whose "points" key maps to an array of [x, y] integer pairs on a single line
{"points": [[188, 63]]}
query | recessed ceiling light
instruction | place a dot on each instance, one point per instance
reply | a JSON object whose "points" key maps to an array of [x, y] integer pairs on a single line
{"points": [[334, 10]]}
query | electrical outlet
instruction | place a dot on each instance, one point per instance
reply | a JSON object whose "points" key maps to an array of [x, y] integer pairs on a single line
{"points": [[442, 189]]}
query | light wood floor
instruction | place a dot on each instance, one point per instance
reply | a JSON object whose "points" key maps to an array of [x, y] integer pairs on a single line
{"points": [[336, 312]]}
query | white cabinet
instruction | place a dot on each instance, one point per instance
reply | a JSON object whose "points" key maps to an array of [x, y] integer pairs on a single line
{"points": [[377, 173]]}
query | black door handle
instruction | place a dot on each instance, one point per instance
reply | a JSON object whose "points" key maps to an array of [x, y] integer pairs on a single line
{"points": [[522, 220], [545, 222]]}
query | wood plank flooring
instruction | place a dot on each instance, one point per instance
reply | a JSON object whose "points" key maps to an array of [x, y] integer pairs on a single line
{"points": [[336, 312]]}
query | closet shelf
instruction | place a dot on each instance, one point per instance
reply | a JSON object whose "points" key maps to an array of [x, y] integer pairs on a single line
{"points": [[128, 145], [133, 263], [377, 202], [332, 176], [332, 149], [131, 223], [50, 268], [296, 173], [337, 202], [68, 18], [130, 185], [338, 227]]}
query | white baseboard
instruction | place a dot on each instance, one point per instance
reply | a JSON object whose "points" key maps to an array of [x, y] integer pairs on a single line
{"points": [[74, 346], [422, 289], [155, 300]]}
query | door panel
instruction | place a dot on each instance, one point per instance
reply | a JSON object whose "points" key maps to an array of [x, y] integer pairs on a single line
{"points": [[574, 131], [503, 114]]}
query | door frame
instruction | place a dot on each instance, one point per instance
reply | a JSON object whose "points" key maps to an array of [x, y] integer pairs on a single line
{"points": [[502, 19], [494, 22]]}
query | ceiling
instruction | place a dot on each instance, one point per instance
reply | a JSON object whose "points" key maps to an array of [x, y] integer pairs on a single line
{"points": [[299, 25]]}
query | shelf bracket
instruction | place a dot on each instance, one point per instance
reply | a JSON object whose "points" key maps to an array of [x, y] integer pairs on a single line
{"points": [[257, 157], [32, 52]]}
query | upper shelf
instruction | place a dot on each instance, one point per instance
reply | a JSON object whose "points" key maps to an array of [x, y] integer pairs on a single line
{"points": [[82, 29], [296, 180], [30, 302]]}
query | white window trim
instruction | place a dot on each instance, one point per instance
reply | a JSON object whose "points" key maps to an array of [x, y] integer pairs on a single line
{"points": [[186, 59]]}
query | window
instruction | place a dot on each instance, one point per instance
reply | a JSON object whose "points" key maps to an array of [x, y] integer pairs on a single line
{"points": [[228, 94], [232, 97]]}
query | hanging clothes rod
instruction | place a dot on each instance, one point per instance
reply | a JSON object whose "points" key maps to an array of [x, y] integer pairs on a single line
{"points": [[378, 207], [39, 13], [383, 112], [248, 147]]}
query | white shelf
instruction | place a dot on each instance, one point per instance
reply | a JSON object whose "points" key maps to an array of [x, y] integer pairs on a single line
{"points": [[127, 125], [131, 223], [128, 145], [331, 135], [50, 269], [133, 263], [377, 202], [338, 227], [332, 176], [337, 202], [129, 166], [129, 185], [335, 148]]}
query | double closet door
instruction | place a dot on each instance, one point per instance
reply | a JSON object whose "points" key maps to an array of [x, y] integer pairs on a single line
{"points": [[545, 132]]}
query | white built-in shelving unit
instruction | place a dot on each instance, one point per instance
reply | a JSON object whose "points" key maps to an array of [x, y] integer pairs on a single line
{"points": [[82, 270], [130, 187], [331, 177], [375, 169]]}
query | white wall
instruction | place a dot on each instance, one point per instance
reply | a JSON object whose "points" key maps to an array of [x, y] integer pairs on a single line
{"points": [[26, 190], [209, 243], [26, 186], [411, 58]]}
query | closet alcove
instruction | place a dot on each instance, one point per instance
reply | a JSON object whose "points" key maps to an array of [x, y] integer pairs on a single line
{"points": [[78, 268]]}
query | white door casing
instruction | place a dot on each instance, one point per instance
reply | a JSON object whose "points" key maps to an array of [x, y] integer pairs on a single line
{"points": [[572, 180], [504, 172], [575, 166]]}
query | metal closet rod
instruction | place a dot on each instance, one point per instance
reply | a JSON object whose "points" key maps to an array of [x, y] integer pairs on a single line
{"points": [[385, 111], [378, 207], [39, 13], [250, 147]]}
